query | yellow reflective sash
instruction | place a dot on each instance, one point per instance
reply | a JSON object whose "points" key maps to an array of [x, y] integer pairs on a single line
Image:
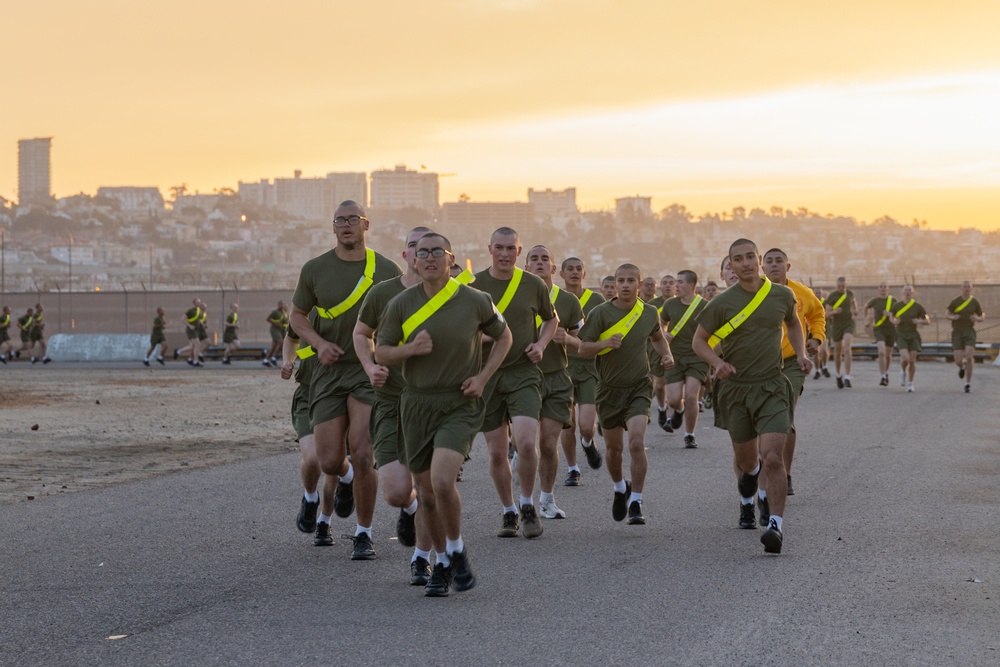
{"points": [[741, 317], [888, 307], [905, 308], [840, 300], [197, 316], [235, 317], [465, 277], [364, 283], [586, 297], [5, 321], [429, 308], [960, 308], [622, 326], [687, 315], [553, 293], [305, 352], [508, 294]]}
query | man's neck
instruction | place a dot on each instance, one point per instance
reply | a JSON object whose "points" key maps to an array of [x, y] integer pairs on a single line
{"points": [[434, 285], [352, 253], [627, 304], [686, 300], [547, 280], [753, 284], [410, 278], [575, 291], [501, 274]]}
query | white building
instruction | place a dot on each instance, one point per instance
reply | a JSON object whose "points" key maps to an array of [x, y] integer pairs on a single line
{"points": [[633, 207], [403, 188], [349, 185], [134, 199]]}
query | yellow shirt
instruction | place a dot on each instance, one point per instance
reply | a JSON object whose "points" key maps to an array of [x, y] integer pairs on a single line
{"points": [[811, 313]]}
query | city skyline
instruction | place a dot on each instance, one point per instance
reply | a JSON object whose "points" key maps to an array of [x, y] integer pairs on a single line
{"points": [[854, 111]]}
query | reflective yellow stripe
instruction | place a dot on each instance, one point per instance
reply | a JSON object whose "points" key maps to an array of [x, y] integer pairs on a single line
{"points": [[429, 308], [888, 307], [958, 309], [305, 352], [622, 326], [553, 293], [687, 315], [197, 316], [508, 294], [364, 283], [840, 301], [905, 308], [5, 320], [465, 277], [741, 317], [586, 297]]}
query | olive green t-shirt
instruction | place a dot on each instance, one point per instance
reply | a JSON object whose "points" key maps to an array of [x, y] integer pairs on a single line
{"points": [[754, 348], [328, 280], [628, 364], [192, 317], [158, 324], [914, 312], [530, 299], [672, 313], [964, 320], [278, 320], [571, 319], [880, 305], [231, 320], [846, 313], [456, 330], [372, 311], [587, 304]]}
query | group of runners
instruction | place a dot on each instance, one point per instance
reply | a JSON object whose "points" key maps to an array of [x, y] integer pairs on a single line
{"points": [[31, 326]]}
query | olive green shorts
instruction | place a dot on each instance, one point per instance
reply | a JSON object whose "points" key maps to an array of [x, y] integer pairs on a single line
{"points": [[718, 419], [156, 339], [332, 385], [654, 361], [300, 412], [687, 367], [24, 337], [202, 333], [962, 338], [512, 392], [840, 329], [886, 335], [795, 377], [584, 376], [36, 335], [750, 409], [192, 334], [616, 405], [277, 334], [384, 427], [4, 336], [910, 340], [557, 397], [229, 335], [437, 420]]}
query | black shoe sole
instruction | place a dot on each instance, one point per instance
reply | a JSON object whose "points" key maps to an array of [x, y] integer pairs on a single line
{"points": [[419, 580], [619, 506], [365, 555], [677, 420], [435, 592], [323, 542], [571, 482], [595, 460], [771, 539], [343, 500]]}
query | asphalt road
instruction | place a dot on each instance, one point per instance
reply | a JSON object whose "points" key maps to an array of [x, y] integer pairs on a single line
{"points": [[892, 556]]}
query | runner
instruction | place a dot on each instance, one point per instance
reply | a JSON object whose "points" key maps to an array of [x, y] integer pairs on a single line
{"points": [[191, 319], [608, 288], [24, 323], [684, 381], [842, 308], [387, 440], [726, 273], [514, 393], [231, 335], [667, 290], [202, 329], [36, 334], [435, 330], [822, 355], [278, 321], [878, 312], [341, 394], [964, 311], [711, 290], [907, 315], [584, 375], [157, 339], [5, 344], [754, 397], [624, 392], [557, 386]]}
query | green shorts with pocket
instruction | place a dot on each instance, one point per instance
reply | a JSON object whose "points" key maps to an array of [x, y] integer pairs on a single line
{"points": [[512, 392], [910, 340], [445, 419], [583, 372], [840, 329], [229, 335], [654, 361], [331, 387], [886, 335], [616, 405], [687, 367], [962, 339], [557, 397], [795, 377], [750, 409], [300, 412], [157, 338], [384, 427]]}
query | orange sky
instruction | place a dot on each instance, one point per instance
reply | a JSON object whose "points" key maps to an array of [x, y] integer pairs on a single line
{"points": [[857, 108]]}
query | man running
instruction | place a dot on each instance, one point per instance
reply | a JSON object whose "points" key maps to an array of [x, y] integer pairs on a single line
{"points": [[36, 334], [964, 311], [615, 334], [668, 288], [157, 338], [435, 331], [822, 355], [231, 333], [907, 315], [878, 314], [684, 381], [608, 288], [5, 345], [387, 440], [278, 321], [24, 324], [584, 375], [334, 285], [754, 396], [192, 320], [514, 393], [842, 308]]}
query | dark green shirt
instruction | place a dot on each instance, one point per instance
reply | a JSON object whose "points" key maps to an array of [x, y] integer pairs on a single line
{"points": [[372, 312], [571, 319], [964, 320], [754, 348], [158, 325], [326, 281], [593, 302], [672, 313], [278, 320], [880, 305], [231, 320], [530, 299], [456, 330], [846, 308], [914, 312], [628, 364]]}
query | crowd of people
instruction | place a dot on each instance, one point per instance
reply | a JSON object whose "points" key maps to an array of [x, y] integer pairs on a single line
{"points": [[32, 336]]}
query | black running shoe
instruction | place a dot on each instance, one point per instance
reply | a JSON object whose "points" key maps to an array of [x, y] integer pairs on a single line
{"points": [[177, 353], [791, 491], [306, 521], [764, 508], [225, 362], [439, 582], [509, 526], [968, 388], [961, 373], [34, 360], [406, 530], [661, 419], [363, 548], [531, 527], [771, 539], [343, 499], [572, 478], [747, 485], [594, 457], [635, 517], [159, 360], [461, 573], [201, 358], [840, 382], [619, 506], [677, 419], [3, 359], [689, 442], [826, 373], [323, 538], [883, 381], [145, 362], [420, 571], [847, 382], [747, 518], [816, 375]]}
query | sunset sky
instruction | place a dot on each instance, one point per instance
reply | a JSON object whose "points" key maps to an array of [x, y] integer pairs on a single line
{"points": [[856, 108]]}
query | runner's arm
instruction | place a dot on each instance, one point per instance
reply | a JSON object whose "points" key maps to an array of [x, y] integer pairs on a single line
{"points": [[288, 354], [364, 346]]}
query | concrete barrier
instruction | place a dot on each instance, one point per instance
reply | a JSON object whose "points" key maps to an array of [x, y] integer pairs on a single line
{"points": [[98, 347]]}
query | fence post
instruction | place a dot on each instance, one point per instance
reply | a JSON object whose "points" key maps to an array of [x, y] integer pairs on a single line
{"points": [[125, 289]]}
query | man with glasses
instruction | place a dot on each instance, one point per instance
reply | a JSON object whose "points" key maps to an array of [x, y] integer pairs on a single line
{"points": [[341, 395], [964, 311], [878, 320], [434, 331]]}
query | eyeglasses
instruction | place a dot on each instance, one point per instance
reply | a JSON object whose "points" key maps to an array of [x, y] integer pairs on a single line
{"points": [[352, 220], [424, 253]]}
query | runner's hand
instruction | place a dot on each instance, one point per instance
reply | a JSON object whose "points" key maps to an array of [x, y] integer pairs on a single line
{"points": [[534, 352], [669, 336], [614, 342], [806, 365], [329, 353], [421, 343], [812, 346], [667, 363], [559, 337], [378, 374], [473, 387], [286, 369], [724, 370]]}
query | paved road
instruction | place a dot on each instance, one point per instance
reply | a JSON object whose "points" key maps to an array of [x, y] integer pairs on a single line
{"points": [[892, 556]]}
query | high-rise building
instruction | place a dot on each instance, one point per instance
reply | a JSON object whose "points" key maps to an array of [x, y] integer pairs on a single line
{"points": [[554, 207], [403, 188], [349, 185], [34, 171], [305, 198]]}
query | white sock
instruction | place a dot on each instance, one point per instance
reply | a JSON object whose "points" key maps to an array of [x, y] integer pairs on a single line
{"points": [[620, 486], [762, 494], [362, 529], [145, 358], [311, 497], [573, 469], [525, 500], [420, 553], [412, 508], [691, 434], [545, 498], [512, 508], [847, 377], [455, 546], [348, 477], [323, 518], [755, 470], [635, 497], [660, 407], [587, 444], [776, 520], [444, 559], [746, 501]]}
